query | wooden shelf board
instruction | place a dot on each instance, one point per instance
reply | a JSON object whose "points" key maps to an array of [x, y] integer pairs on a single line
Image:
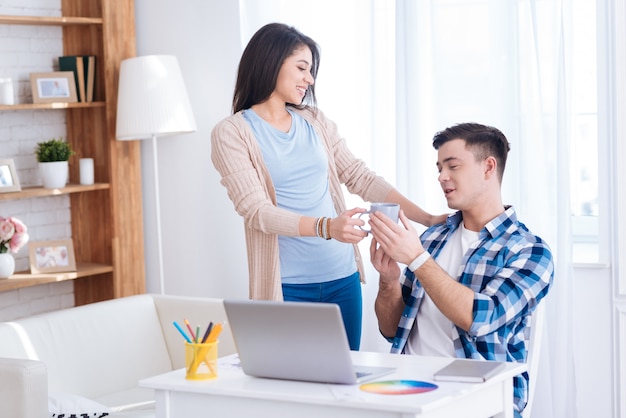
{"points": [[39, 191], [49, 20], [46, 106], [25, 279]]}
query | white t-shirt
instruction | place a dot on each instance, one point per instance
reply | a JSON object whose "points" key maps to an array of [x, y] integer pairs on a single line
{"points": [[431, 334]]}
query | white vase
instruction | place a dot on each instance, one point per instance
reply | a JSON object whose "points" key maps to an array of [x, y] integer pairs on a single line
{"points": [[54, 174], [7, 265]]}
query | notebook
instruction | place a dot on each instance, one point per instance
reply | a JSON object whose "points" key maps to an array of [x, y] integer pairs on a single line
{"points": [[295, 341], [467, 370]]}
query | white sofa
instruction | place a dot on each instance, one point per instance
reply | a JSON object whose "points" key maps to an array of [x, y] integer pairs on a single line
{"points": [[98, 353]]}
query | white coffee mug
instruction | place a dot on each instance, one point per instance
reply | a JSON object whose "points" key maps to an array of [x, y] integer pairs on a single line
{"points": [[392, 210]]}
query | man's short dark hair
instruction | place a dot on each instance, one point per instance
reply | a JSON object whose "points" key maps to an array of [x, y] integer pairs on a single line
{"points": [[482, 140]]}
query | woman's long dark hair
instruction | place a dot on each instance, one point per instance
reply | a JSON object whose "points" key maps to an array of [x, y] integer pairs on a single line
{"points": [[261, 61]]}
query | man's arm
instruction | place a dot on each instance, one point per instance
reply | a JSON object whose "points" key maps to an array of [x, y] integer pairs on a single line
{"points": [[403, 245], [389, 303], [453, 299]]}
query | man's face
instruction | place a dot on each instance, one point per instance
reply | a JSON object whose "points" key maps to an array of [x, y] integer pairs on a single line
{"points": [[461, 177]]}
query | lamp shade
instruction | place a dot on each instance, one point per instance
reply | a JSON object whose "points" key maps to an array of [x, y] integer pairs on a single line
{"points": [[152, 99]]}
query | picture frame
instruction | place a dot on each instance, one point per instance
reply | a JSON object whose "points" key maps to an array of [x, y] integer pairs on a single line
{"points": [[57, 86], [51, 256], [9, 181]]}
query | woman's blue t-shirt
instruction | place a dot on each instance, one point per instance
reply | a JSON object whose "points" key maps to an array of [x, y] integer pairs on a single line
{"points": [[298, 165]]}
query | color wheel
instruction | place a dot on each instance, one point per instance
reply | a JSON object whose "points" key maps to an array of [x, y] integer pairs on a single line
{"points": [[398, 387]]}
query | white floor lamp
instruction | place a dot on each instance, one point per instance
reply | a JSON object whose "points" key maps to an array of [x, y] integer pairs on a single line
{"points": [[152, 101]]}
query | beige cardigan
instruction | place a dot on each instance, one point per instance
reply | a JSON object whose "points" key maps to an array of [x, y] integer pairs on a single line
{"points": [[237, 157]]}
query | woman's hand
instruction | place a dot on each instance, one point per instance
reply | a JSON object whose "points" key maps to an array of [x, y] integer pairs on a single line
{"points": [[344, 228]]}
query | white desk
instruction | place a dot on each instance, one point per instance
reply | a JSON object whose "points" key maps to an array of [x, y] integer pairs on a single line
{"points": [[234, 394]]}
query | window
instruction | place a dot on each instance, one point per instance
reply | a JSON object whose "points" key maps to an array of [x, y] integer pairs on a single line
{"points": [[585, 201]]}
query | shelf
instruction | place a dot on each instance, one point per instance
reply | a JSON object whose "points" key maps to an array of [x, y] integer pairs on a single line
{"points": [[25, 279], [49, 20], [39, 191], [46, 106]]}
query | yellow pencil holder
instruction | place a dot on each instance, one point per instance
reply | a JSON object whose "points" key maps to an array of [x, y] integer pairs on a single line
{"points": [[201, 361]]}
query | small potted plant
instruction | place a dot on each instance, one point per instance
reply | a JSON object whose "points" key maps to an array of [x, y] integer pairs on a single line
{"points": [[53, 156]]}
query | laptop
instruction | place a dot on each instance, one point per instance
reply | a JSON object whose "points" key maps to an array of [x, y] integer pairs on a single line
{"points": [[295, 341]]}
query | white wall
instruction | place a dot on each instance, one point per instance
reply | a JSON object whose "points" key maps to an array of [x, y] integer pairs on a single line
{"points": [[593, 342], [203, 242]]}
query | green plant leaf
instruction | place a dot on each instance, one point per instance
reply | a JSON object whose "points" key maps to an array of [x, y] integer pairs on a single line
{"points": [[53, 150]]}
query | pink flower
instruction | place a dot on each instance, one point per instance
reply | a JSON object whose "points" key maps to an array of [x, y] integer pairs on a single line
{"points": [[12, 235], [19, 225], [7, 229], [18, 241]]}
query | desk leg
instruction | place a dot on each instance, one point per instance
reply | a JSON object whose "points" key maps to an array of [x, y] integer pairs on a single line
{"points": [[506, 387], [162, 403]]}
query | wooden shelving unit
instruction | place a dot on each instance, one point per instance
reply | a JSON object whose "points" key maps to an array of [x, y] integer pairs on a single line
{"points": [[26, 279], [107, 218], [38, 191], [43, 106], [49, 21]]}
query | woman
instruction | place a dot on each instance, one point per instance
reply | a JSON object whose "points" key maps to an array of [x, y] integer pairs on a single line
{"points": [[283, 162]]}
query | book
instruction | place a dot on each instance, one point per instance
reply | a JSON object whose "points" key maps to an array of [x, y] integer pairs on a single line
{"points": [[84, 68], [91, 77], [75, 64], [80, 77], [467, 370]]}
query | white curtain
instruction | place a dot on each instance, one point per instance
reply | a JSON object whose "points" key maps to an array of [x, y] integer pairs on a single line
{"points": [[394, 73]]}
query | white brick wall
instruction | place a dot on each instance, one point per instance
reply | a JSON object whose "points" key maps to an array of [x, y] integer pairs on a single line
{"points": [[26, 49], [35, 300]]}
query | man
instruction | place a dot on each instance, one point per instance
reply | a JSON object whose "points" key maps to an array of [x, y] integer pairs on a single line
{"points": [[473, 281]]}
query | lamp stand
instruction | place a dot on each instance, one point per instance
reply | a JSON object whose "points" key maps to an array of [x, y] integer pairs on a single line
{"points": [[158, 215]]}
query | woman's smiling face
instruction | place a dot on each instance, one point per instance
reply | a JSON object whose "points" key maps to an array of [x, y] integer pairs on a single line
{"points": [[294, 77]]}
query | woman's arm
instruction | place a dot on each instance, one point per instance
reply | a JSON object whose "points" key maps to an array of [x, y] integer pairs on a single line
{"points": [[414, 212], [343, 228], [359, 179], [238, 159]]}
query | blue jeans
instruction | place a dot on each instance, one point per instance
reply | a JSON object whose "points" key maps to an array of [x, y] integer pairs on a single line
{"points": [[344, 292]]}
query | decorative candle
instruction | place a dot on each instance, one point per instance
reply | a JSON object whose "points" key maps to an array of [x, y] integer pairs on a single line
{"points": [[6, 91], [86, 170]]}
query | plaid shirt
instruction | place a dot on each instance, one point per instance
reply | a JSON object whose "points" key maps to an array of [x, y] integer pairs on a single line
{"points": [[510, 271]]}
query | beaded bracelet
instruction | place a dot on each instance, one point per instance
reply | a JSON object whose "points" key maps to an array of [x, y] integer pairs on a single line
{"points": [[327, 235], [318, 227]]}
